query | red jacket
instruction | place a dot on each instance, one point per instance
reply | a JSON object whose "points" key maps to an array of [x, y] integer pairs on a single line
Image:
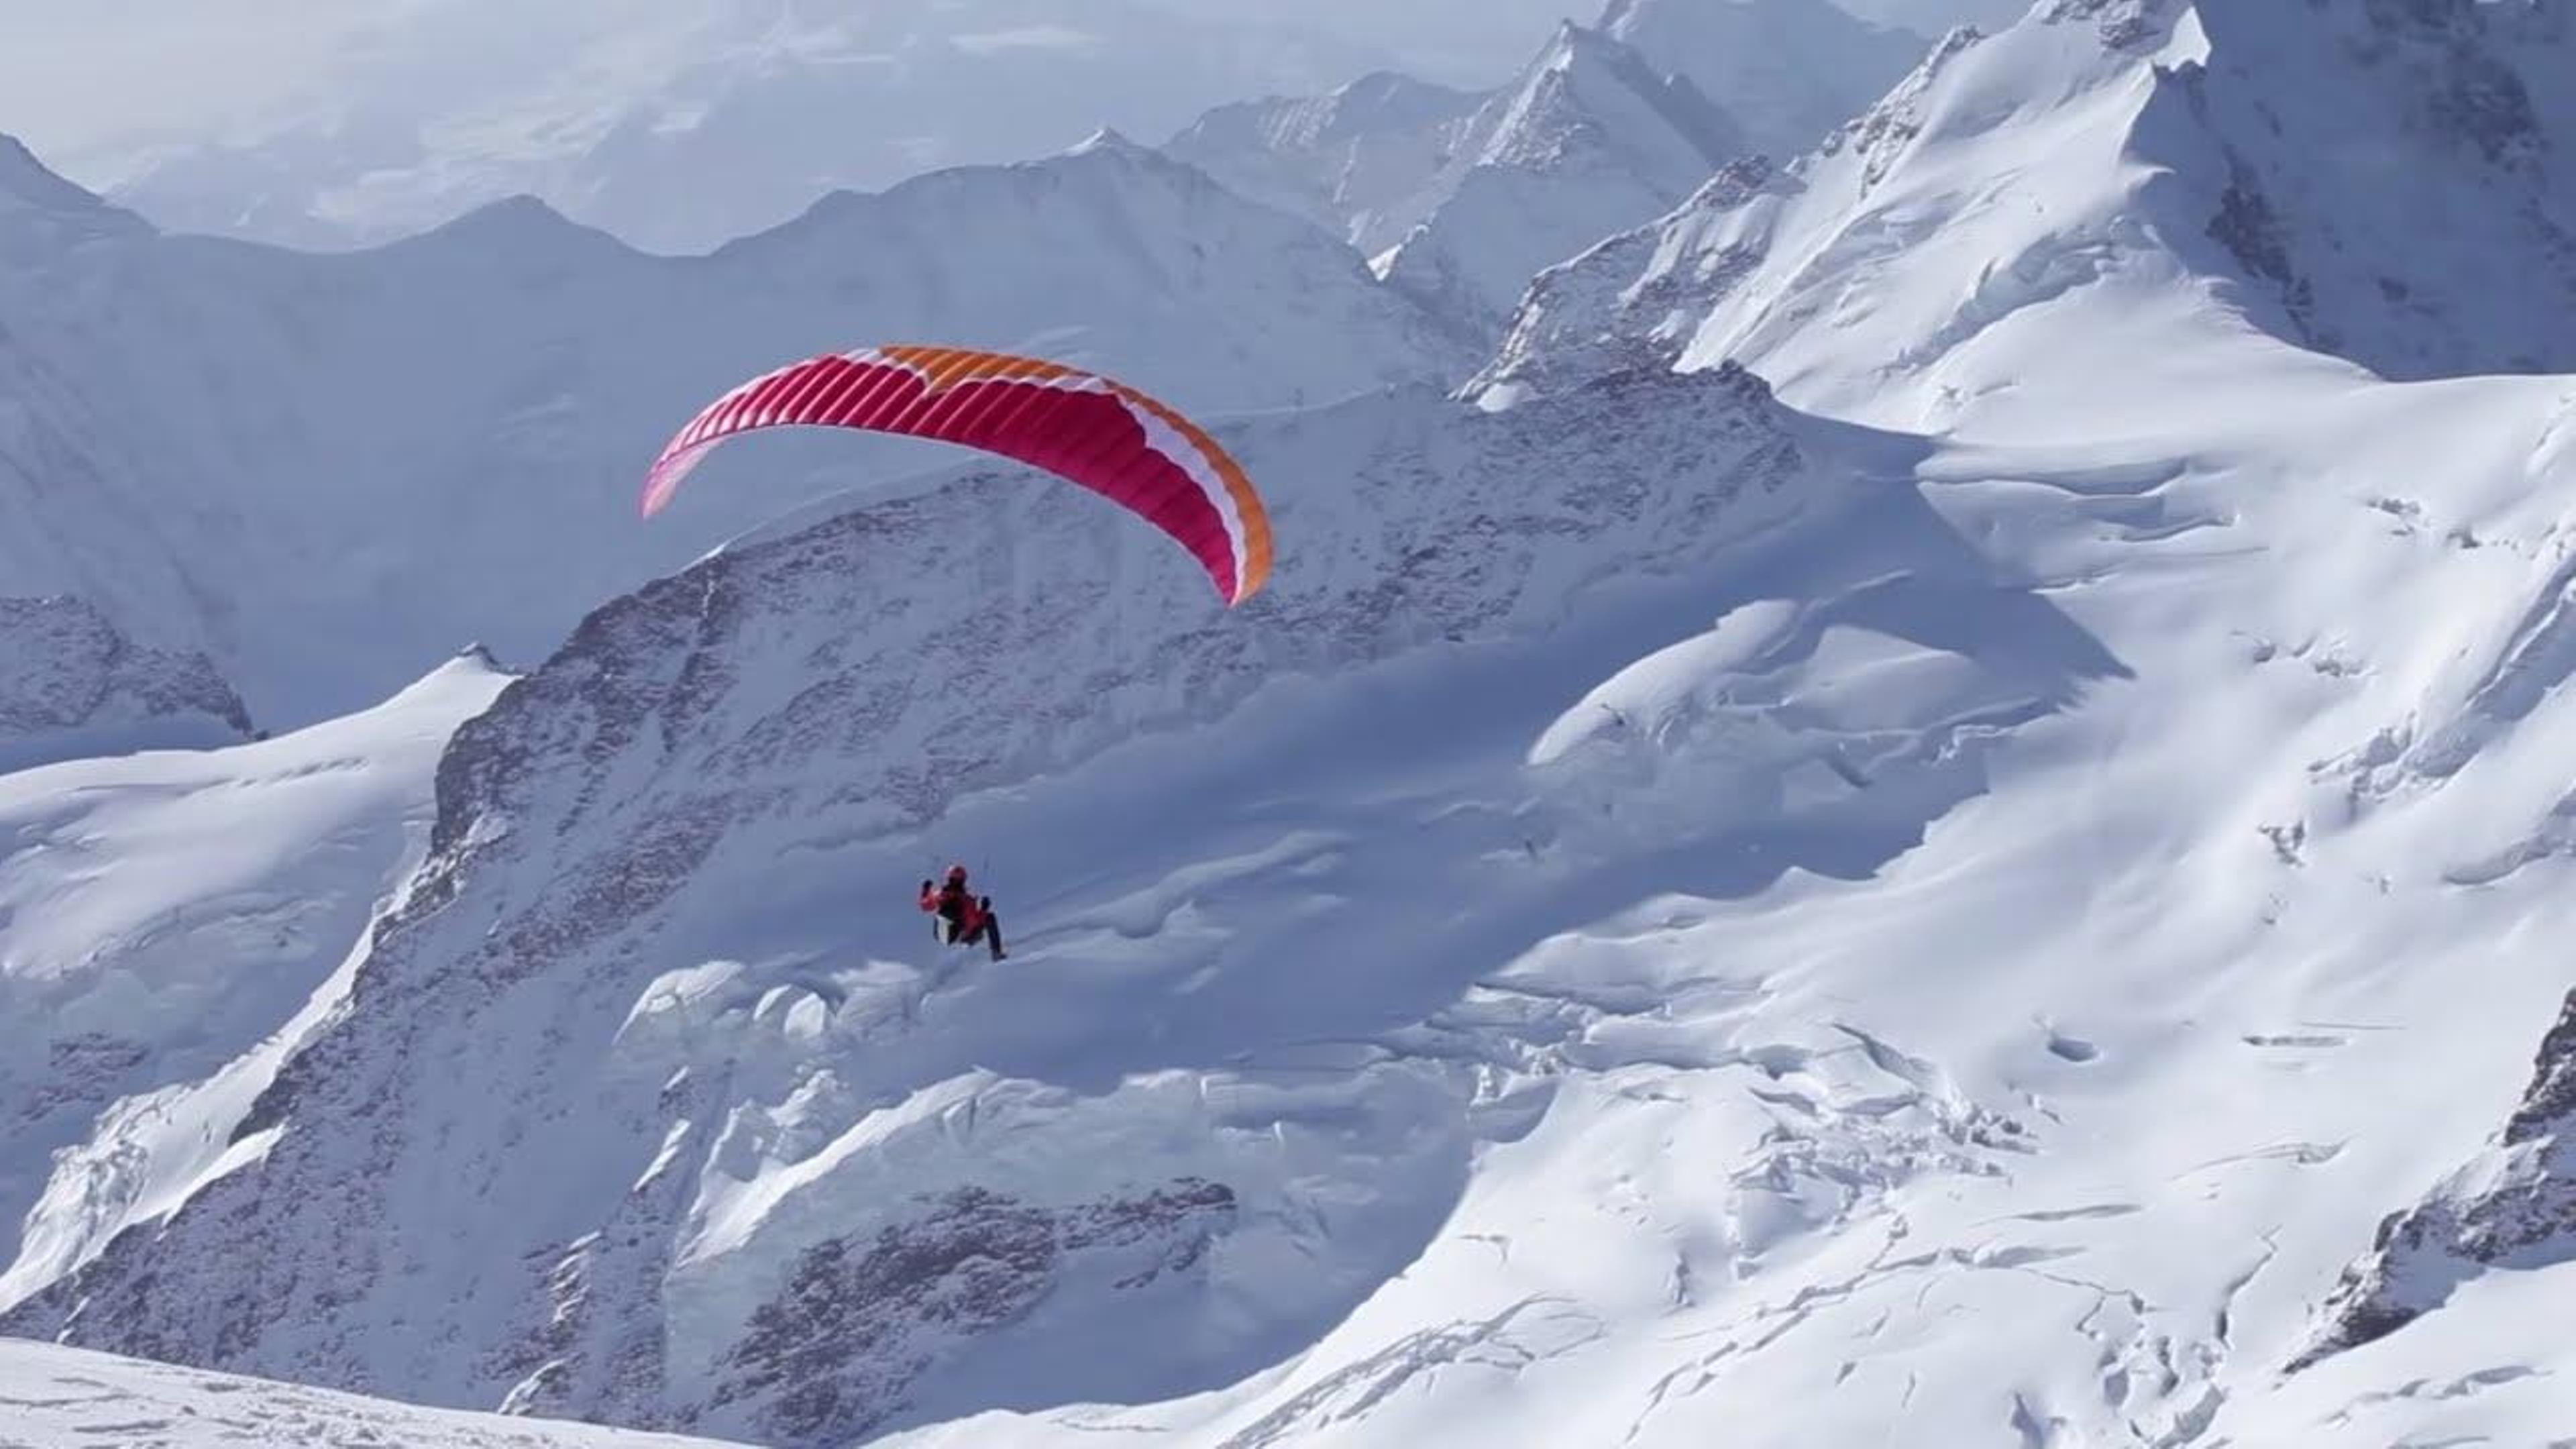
{"points": [[955, 903]]}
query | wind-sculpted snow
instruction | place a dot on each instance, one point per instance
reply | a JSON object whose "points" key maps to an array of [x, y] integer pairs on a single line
{"points": [[2046, 248], [329, 473]]}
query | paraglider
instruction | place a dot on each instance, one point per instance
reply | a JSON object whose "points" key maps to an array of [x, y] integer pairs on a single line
{"points": [[964, 918], [1104, 435]]}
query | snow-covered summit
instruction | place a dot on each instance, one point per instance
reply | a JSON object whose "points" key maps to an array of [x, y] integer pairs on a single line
{"points": [[1365, 160], [327, 473], [1590, 138], [1589, 96], [1461, 199], [2350, 177], [1787, 71]]}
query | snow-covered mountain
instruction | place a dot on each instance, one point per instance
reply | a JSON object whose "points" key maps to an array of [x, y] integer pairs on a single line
{"points": [[328, 473], [1590, 137], [163, 919], [2112, 252], [1607, 127], [1788, 71], [1886, 902], [1368, 160], [675, 126], [796, 1188], [2350, 177]]}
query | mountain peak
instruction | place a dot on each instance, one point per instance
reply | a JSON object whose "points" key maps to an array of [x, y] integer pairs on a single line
{"points": [[1588, 89], [1107, 139], [27, 182], [41, 213], [1363, 161], [1114, 151], [515, 227], [1789, 71], [1394, 87], [1589, 140]]}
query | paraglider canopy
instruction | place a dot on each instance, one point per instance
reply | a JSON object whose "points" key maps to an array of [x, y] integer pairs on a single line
{"points": [[1104, 435]]}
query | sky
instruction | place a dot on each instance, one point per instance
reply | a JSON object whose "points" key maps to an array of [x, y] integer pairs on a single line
{"points": [[196, 67], [337, 122]]}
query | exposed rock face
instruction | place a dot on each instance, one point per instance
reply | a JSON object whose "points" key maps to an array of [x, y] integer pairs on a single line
{"points": [[1639, 298], [67, 673], [2513, 1207], [2380, 162], [832, 1355]]}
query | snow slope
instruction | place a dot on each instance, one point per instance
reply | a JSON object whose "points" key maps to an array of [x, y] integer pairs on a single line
{"points": [[1461, 201], [1366, 160], [328, 473], [1588, 140], [1788, 71], [797, 1187], [2263, 165], [163, 917], [676, 125], [68, 1398]]}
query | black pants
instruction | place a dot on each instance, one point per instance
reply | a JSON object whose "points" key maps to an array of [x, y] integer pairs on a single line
{"points": [[990, 932]]}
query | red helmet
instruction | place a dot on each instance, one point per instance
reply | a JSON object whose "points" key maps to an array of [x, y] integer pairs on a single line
{"points": [[957, 874]]}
